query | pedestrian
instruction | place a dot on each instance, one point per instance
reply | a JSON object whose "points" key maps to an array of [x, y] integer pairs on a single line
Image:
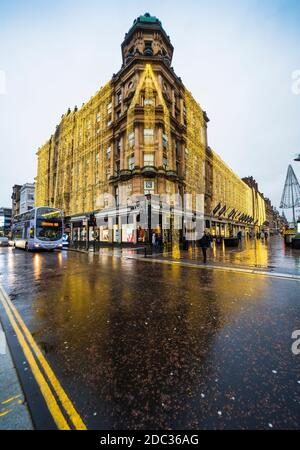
{"points": [[205, 243], [154, 239]]}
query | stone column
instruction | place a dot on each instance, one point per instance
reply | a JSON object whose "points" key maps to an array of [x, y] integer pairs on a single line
{"points": [[110, 229], [137, 149], [181, 111], [122, 154], [120, 230], [112, 158], [159, 156], [113, 108], [122, 102], [182, 158], [173, 103]]}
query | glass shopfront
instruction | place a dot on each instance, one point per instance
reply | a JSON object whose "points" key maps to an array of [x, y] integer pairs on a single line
{"points": [[79, 232], [141, 235], [129, 233], [104, 233], [116, 233]]}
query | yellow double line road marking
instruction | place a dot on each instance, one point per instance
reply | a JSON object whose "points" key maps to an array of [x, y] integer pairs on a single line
{"points": [[63, 411]]}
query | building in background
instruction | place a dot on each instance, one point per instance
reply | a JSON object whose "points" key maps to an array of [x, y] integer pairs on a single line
{"points": [[5, 221], [140, 144], [15, 197], [274, 221], [26, 197]]}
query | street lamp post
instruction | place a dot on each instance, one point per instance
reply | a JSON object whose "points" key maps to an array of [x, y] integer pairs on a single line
{"points": [[298, 160]]}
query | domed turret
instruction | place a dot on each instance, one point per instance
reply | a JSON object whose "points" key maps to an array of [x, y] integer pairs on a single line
{"points": [[148, 38]]}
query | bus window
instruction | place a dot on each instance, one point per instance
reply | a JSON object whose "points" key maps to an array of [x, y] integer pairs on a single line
{"points": [[49, 231]]}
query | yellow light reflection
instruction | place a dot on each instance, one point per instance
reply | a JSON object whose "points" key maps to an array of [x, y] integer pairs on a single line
{"points": [[37, 266]]}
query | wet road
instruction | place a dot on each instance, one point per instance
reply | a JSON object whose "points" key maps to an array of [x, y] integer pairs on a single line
{"points": [[149, 346]]}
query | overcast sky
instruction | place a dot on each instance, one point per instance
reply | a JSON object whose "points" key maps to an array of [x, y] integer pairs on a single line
{"points": [[237, 57]]}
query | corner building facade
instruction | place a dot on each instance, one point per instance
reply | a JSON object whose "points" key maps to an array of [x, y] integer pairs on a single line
{"points": [[135, 161]]}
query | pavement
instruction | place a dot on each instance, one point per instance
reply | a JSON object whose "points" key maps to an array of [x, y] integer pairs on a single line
{"points": [[270, 256], [14, 413], [127, 342]]}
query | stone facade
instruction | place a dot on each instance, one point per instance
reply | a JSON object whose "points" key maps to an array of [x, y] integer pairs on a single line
{"points": [[27, 197], [142, 141]]}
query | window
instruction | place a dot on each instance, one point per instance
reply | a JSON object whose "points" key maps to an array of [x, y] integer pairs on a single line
{"points": [[131, 140], [148, 48], [148, 136], [149, 159], [165, 140], [109, 111], [131, 162], [49, 231], [119, 98], [119, 146], [148, 102], [149, 187], [98, 117], [108, 152], [165, 162], [177, 149]]}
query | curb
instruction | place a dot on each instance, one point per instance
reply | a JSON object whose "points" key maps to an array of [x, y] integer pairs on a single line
{"points": [[14, 412]]}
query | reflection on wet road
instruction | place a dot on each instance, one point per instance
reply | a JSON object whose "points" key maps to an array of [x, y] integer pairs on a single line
{"points": [[272, 255], [149, 346]]}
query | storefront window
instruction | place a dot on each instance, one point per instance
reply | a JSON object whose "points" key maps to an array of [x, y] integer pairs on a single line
{"points": [[104, 234], [91, 234], [141, 234], [83, 234], [116, 233], [128, 233]]}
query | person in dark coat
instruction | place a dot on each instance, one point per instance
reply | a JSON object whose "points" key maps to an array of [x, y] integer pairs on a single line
{"points": [[204, 243]]}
